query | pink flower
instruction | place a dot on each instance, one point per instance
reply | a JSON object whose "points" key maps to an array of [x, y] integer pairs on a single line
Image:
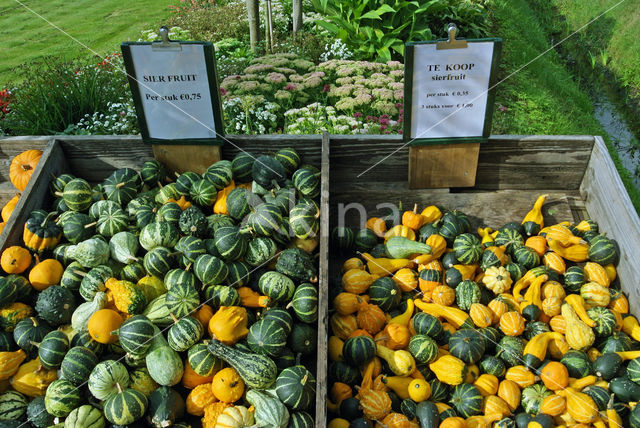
{"points": [[399, 131], [383, 127], [502, 108], [326, 88], [223, 91], [357, 114]]}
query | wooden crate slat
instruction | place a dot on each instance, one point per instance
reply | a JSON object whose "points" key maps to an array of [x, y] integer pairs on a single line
{"points": [[323, 290], [608, 203]]}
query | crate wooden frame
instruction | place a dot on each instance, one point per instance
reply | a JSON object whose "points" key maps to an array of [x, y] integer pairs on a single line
{"points": [[576, 172]]}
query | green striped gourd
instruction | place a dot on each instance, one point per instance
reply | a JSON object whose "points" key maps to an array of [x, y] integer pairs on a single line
{"points": [[277, 286], [231, 242], [297, 264], [61, 398], [283, 199], [58, 183], [30, 331], [169, 212], [101, 207], [179, 277], [365, 240], [203, 193], [112, 222], [303, 220], [77, 227], [77, 195], [301, 420], [602, 250], [6, 341], [13, 406], [221, 295], [193, 222], [296, 387], [303, 339], [268, 172], [574, 278], [85, 416], [202, 361], [122, 186], [239, 274], [219, 174], [358, 350], [142, 381], [78, 364], [257, 371], [135, 334], [191, 248], [423, 348], [265, 220], [133, 272], [185, 182], [159, 261], [385, 293], [52, 349], [107, 378], [153, 173], [239, 203], [165, 193], [260, 251], [267, 337], [157, 311], [210, 270], [165, 406], [184, 333], [8, 292], [305, 303], [159, 234], [23, 286], [85, 339], [270, 411], [289, 158], [37, 413], [94, 282], [526, 256], [467, 400], [467, 248], [182, 300], [241, 166], [307, 181], [281, 316], [125, 407], [424, 323], [217, 220]]}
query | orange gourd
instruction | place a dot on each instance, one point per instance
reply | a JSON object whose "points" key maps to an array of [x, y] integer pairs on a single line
{"points": [[413, 219], [199, 398], [182, 202], [555, 375], [375, 404], [378, 226], [371, 318], [9, 363], [22, 167], [15, 259], [357, 281], [487, 384], [227, 385], [558, 324], [453, 422], [396, 336], [553, 289], [593, 272], [510, 392], [443, 295], [352, 263], [220, 206], [481, 315], [347, 303], [555, 262], [407, 279], [343, 325], [360, 332], [512, 323], [521, 376], [45, 274], [395, 420], [204, 314], [619, 302], [538, 244], [494, 405], [229, 324], [102, 323], [9, 207], [191, 379], [498, 308], [551, 306], [340, 391], [553, 405], [252, 299]]}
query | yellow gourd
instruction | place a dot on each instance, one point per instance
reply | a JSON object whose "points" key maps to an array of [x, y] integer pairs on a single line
{"points": [[398, 384], [555, 262], [253, 299], [9, 207], [533, 221], [593, 272], [400, 362], [383, 266], [9, 363], [457, 317], [631, 327], [405, 317], [578, 334], [334, 347], [487, 384], [580, 406], [562, 236], [449, 369], [400, 230], [510, 392], [227, 385], [229, 324], [575, 253], [419, 390], [15, 259], [357, 281], [220, 206], [32, 379], [235, 417], [46, 273], [494, 405], [431, 214], [536, 349], [577, 303], [497, 279], [522, 376], [352, 263], [407, 279]]}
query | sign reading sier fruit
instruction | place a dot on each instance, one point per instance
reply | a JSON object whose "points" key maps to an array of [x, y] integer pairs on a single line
{"points": [[448, 92], [175, 91]]}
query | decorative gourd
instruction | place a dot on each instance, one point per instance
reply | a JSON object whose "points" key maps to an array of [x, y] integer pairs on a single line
{"points": [[595, 294], [199, 398], [554, 375], [481, 315], [102, 323], [497, 279], [32, 379], [269, 410], [256, 370], [375, 404], [456, 317], [45, 274], [371, 318], [8, 208], [106, 377], [125, 407], [22, 167], [443, 295], [296, 387], [555, 262], [580, 406], [512, 323], [15, 259], [78, 364], [90, 253], [509, 391], [82, 314], [40, 232], [467, 400], [449, 369], [229, 324], [578, 334], [536, 349], [467, 344], [10, 362], [61, 398]]}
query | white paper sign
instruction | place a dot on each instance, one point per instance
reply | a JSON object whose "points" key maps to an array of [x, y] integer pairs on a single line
{"points": [[174, 89], [450, 90]]}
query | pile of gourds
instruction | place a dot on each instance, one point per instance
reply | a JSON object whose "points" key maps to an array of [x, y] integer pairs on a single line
{"points": [[166, 301], [20, 172], [523, 326]]}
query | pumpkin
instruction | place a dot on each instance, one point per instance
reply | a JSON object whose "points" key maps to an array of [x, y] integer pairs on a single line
{"points": [[102, 323], [229, 324], [45, 274], [22, 167], [8, 208], [15, 259], [227, 386], [413, 219]]}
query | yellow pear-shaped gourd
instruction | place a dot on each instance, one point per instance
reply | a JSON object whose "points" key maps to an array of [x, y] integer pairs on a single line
{"points": [[404, 317], [32, 379], [580, 406], [578, 334], [533, 221], [399, 385], [449, 369], [400, 362], [229, 324]]}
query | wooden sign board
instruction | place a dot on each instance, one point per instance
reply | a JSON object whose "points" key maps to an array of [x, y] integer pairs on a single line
{"points": [[177, 101], [448, 101]]}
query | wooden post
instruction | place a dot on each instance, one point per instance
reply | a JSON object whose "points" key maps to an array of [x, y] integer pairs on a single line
{"points": [[253, 14], [443, 165], [297, 15]]}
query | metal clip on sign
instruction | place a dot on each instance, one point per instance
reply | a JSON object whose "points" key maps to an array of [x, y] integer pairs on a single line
{"points": [[452, 43], [165, 44]]}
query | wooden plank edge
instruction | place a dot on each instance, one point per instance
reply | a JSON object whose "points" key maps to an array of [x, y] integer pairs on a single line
{"points": [[613, 209], [323, 291], [30, 199]]}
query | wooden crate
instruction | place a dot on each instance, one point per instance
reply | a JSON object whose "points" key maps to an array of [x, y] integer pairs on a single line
{"points": [[94, 158], [575, 171]]}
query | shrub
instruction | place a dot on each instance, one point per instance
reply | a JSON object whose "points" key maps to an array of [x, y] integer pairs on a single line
{"points": [[56, 94], [214, 23]]}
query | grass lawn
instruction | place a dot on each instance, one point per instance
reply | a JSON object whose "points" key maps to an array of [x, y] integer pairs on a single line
{"points": [[543, 98], [101, 25]]}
